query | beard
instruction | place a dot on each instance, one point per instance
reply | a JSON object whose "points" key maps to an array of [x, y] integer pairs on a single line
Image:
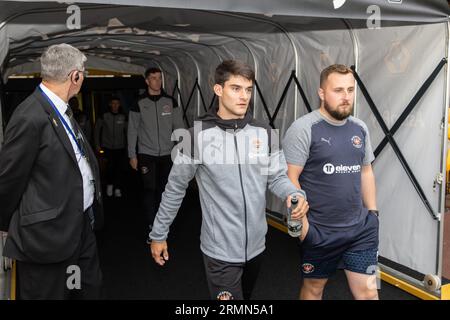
{"points": [[336, 114]]}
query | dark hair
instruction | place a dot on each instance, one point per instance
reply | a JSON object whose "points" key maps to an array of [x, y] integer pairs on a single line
{"points": [[334, 68], [114, 98], [151, 70], [230, 68]]}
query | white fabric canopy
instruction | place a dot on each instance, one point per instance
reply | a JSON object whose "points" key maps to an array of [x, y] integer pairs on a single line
{"points": [[187, 39]]}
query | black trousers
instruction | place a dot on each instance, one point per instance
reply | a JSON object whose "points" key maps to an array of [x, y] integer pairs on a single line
{"points": [[154, 172], [231, 280], [79, 277], [114, 166]]}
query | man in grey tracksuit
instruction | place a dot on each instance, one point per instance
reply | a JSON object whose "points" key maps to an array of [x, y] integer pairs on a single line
{"points": [[111, 137], [234, 160], [151, 123]]}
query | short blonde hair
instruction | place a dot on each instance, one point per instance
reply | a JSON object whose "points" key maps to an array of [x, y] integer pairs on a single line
{"points": [[334, 68]]}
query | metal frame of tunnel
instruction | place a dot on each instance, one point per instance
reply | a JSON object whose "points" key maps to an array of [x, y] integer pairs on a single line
{"points": [[389, 133], [273, 117], [199, 92], [388, 273], [2, 108], [200, 98], [445, 293], [284, 31]]}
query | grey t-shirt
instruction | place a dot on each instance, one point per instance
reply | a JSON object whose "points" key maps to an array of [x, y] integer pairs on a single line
{"points": [[332, 156]]}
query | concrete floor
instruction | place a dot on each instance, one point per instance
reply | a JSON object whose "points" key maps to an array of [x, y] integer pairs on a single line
{"points": [[130, 272]]}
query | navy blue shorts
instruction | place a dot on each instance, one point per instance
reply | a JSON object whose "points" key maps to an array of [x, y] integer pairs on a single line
{"points": [[326, 249]]}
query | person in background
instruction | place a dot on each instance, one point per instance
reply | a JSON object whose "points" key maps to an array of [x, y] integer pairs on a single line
{"points": [[151, 122], [50, 195], [111, 137]]}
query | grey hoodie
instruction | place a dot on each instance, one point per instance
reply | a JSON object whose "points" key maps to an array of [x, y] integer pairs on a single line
{"points": [[151, 122], [111, 131], [232, 192]]}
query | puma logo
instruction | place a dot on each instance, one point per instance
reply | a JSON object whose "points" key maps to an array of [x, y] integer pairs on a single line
{"points": [[216, 147], [327, 141]]}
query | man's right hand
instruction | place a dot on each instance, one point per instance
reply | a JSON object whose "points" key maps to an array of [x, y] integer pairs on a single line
{"points": [[134, 163], [159, 252]]}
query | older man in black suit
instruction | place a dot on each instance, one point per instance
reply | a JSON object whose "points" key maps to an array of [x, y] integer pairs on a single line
{"points": [[50, 188]]}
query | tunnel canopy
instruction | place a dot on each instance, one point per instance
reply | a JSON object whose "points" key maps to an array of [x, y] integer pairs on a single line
{"points": [[398, 48]]}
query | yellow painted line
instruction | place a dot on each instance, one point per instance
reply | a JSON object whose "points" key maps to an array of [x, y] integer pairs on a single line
{"points": [[92, 72], [92, 108], [100, 72], [407, 287], [80, 101], [13, 281], [276, 225], [445, 290]]}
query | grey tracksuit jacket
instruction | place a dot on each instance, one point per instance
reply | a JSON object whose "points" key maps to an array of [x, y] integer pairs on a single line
{"points": [[151, 122], [234, 162], [111, 131]]}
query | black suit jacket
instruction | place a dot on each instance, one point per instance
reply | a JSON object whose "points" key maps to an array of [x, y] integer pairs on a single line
{"points": [[41, 187]]}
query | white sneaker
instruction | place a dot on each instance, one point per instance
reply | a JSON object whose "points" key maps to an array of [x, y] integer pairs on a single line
{"points": [[117, 193], [109, 190]]}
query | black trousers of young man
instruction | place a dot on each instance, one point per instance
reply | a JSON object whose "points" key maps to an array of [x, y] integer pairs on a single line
{"points": [[114, 167], [155, 172], [231, 280]]}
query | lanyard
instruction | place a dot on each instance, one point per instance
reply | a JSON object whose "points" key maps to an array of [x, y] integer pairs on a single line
{"points": [[64, 122]]}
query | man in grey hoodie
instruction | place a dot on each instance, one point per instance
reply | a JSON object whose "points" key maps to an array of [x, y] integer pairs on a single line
{"points": [[234, 159], [111, 137], [151, 123]]}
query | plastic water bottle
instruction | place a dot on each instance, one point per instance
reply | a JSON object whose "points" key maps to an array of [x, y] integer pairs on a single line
{"points": [[294, 226]]}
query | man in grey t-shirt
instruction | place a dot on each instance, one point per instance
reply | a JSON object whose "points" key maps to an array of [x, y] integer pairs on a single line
{"points": [[329, 154]]}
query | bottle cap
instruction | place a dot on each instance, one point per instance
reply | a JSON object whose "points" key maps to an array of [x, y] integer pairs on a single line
{"points": [[294, 200]]}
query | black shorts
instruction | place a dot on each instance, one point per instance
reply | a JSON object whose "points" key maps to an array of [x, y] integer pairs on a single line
{"points": [[325, 249], [233, 280]]}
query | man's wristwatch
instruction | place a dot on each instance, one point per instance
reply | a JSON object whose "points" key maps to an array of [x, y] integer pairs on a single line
{"points": [[375, 212]]}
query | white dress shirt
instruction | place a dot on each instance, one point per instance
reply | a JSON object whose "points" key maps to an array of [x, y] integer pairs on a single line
{"points": [[83, 165]]}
